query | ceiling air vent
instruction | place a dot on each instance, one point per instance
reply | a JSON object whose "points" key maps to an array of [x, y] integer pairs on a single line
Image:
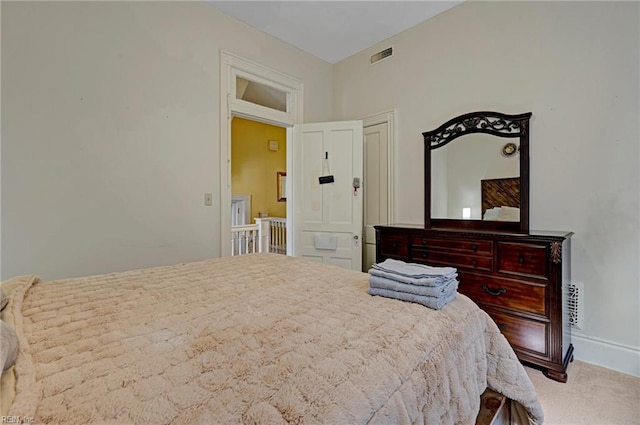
{"points": [[382, 55]]}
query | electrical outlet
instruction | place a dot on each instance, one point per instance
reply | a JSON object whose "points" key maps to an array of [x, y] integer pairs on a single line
{"points": [[208, 199]]}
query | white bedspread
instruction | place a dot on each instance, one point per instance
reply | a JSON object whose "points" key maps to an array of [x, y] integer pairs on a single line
{"points": [[254, 339]]}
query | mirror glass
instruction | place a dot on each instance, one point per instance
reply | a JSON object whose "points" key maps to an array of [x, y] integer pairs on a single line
{"points": [[458, 168]]}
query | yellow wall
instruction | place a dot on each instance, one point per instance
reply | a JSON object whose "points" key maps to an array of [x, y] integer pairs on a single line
{"points": [[254, 166]]}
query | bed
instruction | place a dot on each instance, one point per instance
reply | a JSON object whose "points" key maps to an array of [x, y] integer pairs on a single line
{"points": [[252, 339]]}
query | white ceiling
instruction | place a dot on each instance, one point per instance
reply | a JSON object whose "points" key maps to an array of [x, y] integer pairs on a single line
{"points": [[333, 30]]}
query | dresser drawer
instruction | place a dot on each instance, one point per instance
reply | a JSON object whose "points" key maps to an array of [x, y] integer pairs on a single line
{"points": [[522, 259], [394, 246], [452, 260], [462, 246], [511, 293], [522, 333]]}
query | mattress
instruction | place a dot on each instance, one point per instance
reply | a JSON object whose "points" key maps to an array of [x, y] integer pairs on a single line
{"points": [[252, 339]]}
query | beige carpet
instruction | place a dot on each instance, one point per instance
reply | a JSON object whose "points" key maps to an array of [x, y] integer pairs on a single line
{"points": [[592, 395]]}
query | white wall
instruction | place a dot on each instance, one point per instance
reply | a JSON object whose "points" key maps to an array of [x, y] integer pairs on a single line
{"points": [[575, 65], [110, 130]]}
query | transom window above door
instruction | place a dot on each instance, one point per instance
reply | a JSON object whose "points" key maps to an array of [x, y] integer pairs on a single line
{"points": [[261, 94], [254, 95]]}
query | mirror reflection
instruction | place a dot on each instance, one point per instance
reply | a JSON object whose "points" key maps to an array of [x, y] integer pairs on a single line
{"points": [[476, 177]]}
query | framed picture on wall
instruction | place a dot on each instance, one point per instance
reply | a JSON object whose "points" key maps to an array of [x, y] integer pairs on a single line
{"points": [[281, 186]]}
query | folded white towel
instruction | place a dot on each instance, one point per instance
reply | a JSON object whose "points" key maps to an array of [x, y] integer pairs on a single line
{"points": [[429, 291], [435, 303], [413, 269]]}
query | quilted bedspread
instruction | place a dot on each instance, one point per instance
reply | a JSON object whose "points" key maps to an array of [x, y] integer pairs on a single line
{"points": [[253, 339]]}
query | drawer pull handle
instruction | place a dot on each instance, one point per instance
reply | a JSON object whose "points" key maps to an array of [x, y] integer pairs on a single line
{"points": [[425, 255], [521, 259], [502, 326], [424, 242], [394, 245], [474, 247], [492, 292], [474, 262]]}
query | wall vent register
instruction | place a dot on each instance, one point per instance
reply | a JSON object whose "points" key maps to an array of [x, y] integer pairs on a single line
{"points": [[382, 55], [575, 304]]}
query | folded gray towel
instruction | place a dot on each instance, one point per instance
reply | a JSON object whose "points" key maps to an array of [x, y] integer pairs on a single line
{"points": [[413, 269], [422, 281], [435, 303], [428, 291]]}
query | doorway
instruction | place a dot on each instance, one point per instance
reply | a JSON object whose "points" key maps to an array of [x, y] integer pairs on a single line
{"points": [[258, 158], [240, 80], [258, 206]]}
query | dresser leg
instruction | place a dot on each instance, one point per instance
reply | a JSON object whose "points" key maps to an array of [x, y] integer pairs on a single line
{"points": [[561, 376], [555, 375]]}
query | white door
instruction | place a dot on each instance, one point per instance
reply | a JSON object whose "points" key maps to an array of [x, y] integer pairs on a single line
{"points": [[327, 225], [376, 199]]}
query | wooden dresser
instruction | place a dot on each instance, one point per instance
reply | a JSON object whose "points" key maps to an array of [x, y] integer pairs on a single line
{"points": [[520, 280]]}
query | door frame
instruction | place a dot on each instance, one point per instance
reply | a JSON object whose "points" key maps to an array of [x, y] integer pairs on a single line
{"points": [[232, 65], [389, 117]]}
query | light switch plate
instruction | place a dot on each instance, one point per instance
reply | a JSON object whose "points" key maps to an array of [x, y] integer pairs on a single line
{"points": [[208, 199], [273, 145]]}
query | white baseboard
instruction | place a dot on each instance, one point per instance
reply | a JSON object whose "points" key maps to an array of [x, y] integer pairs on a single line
{"points": [[600, 352]]}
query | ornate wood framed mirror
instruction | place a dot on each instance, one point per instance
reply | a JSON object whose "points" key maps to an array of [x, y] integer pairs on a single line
{"points": [[480, 182]]}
